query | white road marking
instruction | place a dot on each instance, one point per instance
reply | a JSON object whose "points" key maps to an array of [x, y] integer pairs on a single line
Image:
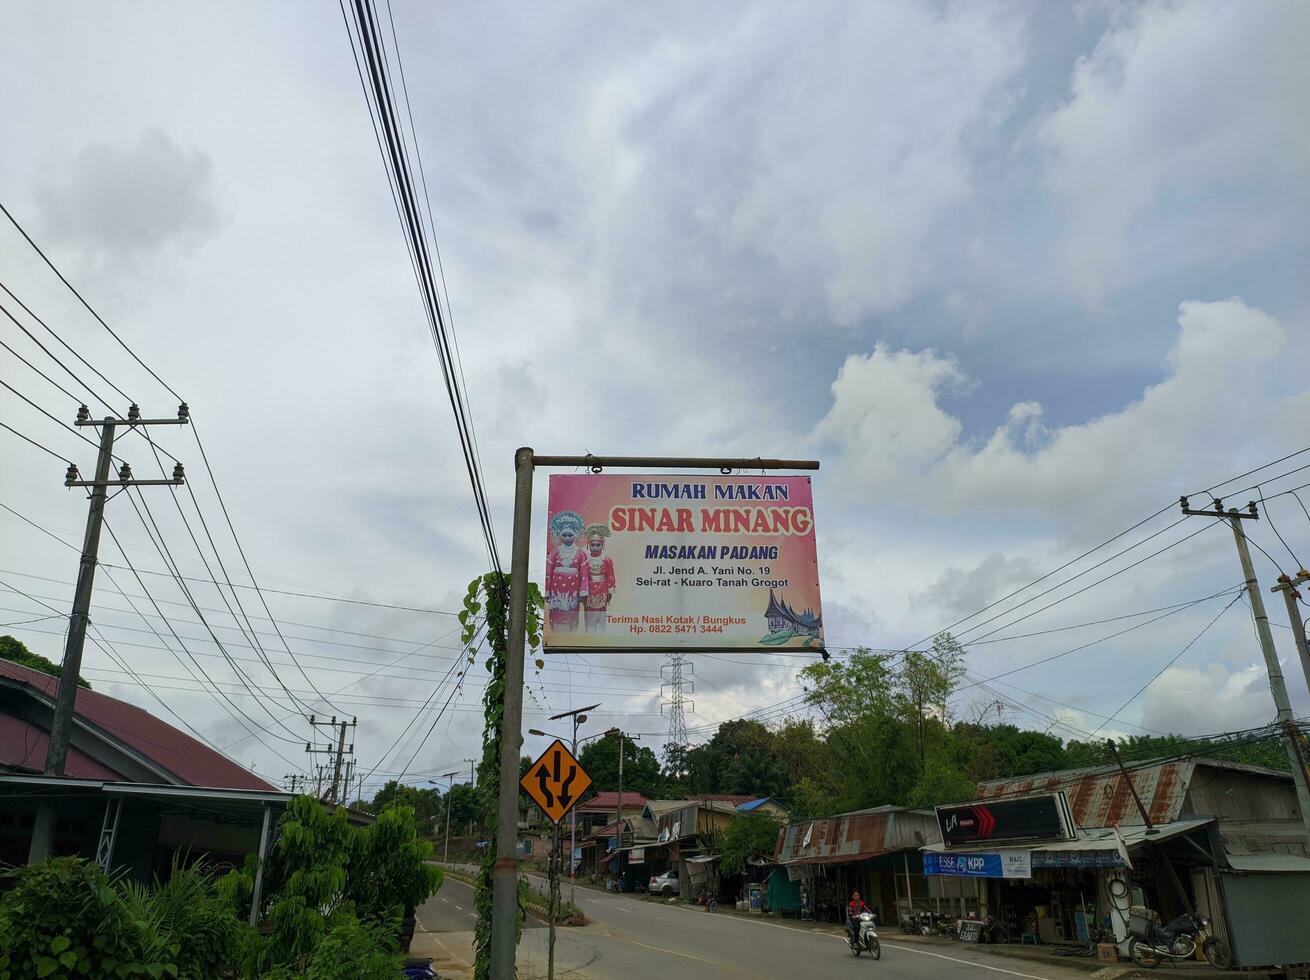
{"points": [[460, 907], [444, 900], [622, 909], [953, 959], [894, 945]]}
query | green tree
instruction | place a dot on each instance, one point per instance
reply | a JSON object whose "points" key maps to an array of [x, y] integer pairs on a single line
{"points": [[15, 651], [872, 747], [746, 835], [757, 772], [641, 767], [715, 767], [427, 804], [923, 689], [328, 884]]}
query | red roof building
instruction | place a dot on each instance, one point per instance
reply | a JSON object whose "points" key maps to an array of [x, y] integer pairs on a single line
{"points": [[112, 740], [609, 802]]}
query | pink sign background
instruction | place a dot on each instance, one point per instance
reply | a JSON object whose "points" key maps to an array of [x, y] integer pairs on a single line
{"points": [[681, 562]]}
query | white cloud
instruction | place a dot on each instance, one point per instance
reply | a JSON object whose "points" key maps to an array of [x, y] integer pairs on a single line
{"points": [[1226, 391], [866, 150], [123, 201], [1183, 137], [1232, 698]]}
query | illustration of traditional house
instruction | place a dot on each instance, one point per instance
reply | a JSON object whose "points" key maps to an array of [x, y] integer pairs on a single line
{"points": [[782, 617]]}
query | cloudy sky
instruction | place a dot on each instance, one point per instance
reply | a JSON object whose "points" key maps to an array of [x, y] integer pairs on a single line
{"points": [[1019, 274]]}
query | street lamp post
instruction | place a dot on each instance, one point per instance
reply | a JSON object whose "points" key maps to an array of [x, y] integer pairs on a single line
{"points": [[578, 719], [618, 819], [445, 857]]}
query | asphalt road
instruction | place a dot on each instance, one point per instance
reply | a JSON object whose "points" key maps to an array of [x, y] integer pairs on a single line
{"points": [[635, 939]]}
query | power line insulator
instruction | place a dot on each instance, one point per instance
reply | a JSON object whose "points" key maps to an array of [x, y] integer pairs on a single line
{"points": [[178, 474], [183, 412], [72, 476], [84, 414], [134, 413], [125, 472]]}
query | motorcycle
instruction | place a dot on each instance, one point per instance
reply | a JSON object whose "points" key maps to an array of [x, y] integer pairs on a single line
{"points": [[866, 937], [1179, 940]]}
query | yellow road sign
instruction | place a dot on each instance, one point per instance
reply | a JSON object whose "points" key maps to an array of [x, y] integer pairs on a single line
{"points": [[556, 781]]}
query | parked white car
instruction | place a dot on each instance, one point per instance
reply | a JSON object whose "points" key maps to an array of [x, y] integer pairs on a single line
{"points": [[665, 884]]}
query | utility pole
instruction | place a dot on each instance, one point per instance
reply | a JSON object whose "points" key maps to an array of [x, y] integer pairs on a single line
{"points": [[1287, 585], [450, 791], [619, 808], [61, 726], [1277, 686], [336, 754], [578, 717], [473, 784], [505, 874]]}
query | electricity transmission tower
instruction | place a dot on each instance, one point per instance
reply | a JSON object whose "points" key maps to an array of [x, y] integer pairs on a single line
{"points": [[676, 683]]}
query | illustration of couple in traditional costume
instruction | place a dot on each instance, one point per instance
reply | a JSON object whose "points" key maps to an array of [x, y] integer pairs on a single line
{"points": [[578, 578]]}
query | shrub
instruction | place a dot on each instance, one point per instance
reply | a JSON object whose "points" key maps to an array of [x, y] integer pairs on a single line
{"points": [[66, 917], [327, 883], [186, 913]]}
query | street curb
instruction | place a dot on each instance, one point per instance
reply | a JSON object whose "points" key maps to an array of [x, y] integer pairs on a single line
{"points": [[531, 903], [1087, 964]]}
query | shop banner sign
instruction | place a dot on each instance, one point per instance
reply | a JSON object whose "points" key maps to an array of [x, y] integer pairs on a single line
{"points": [[653, 563], [1006, 864], [1079, 859], [1039, 817]]}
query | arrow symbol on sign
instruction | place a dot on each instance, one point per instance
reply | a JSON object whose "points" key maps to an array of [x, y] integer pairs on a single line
{"points": [[543, 777], [565, 797]]}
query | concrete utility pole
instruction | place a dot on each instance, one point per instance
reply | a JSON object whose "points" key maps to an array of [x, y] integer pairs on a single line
{"points": [[61, 727], [336, 754], [449, 793], [1277, 686], [619, 808], [505, 874], [1287, 585]]}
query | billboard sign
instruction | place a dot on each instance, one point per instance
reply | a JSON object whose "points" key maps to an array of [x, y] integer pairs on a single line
{"points": [[1002, 864], [1030, 818], [681, 562]]}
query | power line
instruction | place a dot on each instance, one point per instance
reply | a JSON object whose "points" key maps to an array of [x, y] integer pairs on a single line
{"points": [[236, 668], [1096, 642], [54, 418], [1176, 657], [328, 598], [165, 553], [1099, 581], [378, 95], [50, 354], [38, 445], [107, 648], [238, 585], [41, 373], [73, 289]]}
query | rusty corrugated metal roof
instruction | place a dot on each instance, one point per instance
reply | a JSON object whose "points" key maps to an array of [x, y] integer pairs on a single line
{"points": [[845, 838], [1101, 798]]}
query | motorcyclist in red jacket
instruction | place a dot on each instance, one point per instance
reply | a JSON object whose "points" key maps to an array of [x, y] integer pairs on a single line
{"points": [[853, 909]]}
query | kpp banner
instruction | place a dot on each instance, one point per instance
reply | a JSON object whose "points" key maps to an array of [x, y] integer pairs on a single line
{"points": [[681, 562]]}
